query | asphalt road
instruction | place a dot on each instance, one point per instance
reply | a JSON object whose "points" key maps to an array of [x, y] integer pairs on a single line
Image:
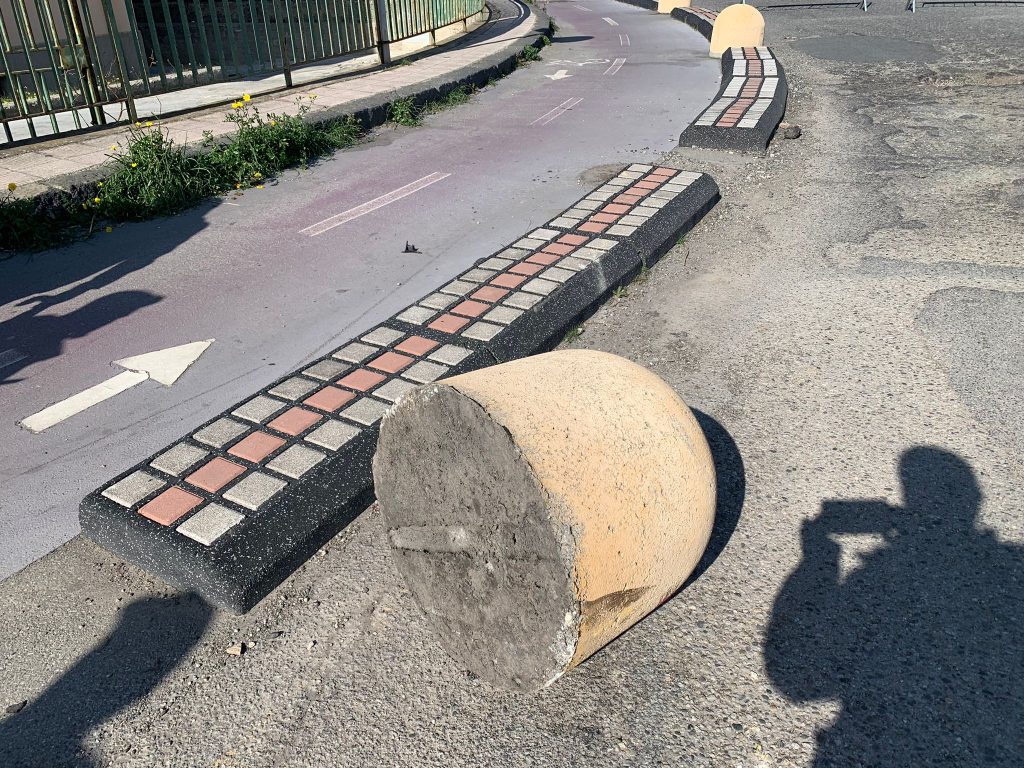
{"points": [[244, 273], [847, 321]]}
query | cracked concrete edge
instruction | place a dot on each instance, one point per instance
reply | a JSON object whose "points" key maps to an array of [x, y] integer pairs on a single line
{"points": [[372, 111], [296, 524]]}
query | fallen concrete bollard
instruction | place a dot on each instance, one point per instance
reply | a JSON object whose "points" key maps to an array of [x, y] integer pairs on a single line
{"points": [[539, 508]]}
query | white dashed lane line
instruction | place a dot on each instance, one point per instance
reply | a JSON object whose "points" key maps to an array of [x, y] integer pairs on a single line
{"points": [[558, 111], [378, 202], [623, 39], [613, 22], [615, 67]]}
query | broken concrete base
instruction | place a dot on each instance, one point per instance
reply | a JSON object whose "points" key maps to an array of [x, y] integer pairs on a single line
{"points": [[539, 508]]}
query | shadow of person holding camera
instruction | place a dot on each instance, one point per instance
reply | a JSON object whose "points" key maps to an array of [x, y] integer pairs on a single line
{"points": [[921, 642]]}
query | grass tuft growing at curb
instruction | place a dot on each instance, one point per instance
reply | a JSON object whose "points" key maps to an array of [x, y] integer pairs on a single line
{"points": [[153, 176]]}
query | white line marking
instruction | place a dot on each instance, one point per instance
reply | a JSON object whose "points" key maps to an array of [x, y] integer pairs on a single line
{"points": [[65, 409], [613, 22], [623, 39], [582, 8], [11, 356], [615, 67], [558, 111], [164, 366], [378, 202]]}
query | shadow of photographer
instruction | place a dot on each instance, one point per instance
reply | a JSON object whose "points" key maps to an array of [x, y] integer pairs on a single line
{"points": [[921, 642]]}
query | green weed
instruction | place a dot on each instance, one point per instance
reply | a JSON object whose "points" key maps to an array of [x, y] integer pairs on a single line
{"points": [[405, 112], [572, 334]]}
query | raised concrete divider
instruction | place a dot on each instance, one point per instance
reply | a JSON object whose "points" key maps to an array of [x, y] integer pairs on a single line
{"points": [[234, 505], [539, 508]]}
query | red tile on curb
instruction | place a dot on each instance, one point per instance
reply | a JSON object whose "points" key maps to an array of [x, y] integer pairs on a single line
{"points": [[215, 474], [508, 281], [170, 505], [646, 185], [362, 380], [297, 420], [560, 249], [489, 293], [471, 308], [391, 362], [666, 171], [612, 208], [330, 399], [450, 323], [417, 345], [574, 239], [256, 447], [544, 258], [592, 226], [604, 218], [628, 199], [527, 269]]}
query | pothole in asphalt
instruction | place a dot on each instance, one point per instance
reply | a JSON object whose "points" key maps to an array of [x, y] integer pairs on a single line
{"points": [[866, 49], [599, 174]]}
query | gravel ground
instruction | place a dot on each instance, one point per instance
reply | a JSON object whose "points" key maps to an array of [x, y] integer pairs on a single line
{"points": [[848, 322]]}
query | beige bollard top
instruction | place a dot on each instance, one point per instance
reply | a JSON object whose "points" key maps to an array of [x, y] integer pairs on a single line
{"points": [[667, 6], [737, 26]]}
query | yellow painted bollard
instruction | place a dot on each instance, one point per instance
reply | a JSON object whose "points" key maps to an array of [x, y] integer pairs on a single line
{"points": [[737, 26], [539, 508], [667, 6]]}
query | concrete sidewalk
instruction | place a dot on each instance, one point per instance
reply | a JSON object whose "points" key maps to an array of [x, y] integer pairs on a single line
{"points": [[61, 162]]}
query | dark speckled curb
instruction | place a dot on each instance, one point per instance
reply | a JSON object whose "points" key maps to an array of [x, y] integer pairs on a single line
{"points": [[515, 303]]}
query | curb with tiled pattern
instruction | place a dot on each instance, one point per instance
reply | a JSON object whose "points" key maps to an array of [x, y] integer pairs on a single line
{"points": [[701, 19], [749, 106], [233, 507]]}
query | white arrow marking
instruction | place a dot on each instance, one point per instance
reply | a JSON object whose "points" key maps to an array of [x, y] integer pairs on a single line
{"points": [[164, 366], [559, 75]]}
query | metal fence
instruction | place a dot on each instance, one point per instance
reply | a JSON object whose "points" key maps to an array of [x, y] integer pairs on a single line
{"points": [[66, 63]]}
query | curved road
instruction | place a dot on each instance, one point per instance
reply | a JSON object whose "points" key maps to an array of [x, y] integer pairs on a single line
{"points": [[242, 270]]}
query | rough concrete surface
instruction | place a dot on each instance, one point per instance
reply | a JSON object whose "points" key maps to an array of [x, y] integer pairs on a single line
{"points": [[822, 318]]}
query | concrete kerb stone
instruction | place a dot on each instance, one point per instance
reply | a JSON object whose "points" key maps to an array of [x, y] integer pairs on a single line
{"points": [[496, 315], [374, 111], [699, 19], [737, 120], [750, 104]]}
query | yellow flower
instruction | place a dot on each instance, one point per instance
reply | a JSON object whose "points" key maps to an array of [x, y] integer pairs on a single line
{"points": [[236, 105], [273, 122], [109, 230], [135, 165], [259, 186], [257, 175], [100, 184], [149, 123], [246, 97], [238, 186], [95, 199], [138, 124], [113, 146], [11, 186]]}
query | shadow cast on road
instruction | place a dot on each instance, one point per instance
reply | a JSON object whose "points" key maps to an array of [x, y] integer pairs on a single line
{"points": [[152, 637], [920, 640], [730, 490], [31, 287]]}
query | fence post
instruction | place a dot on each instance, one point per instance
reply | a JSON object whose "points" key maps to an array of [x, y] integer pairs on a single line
{"points": [[88, 72], [383, 32]]}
